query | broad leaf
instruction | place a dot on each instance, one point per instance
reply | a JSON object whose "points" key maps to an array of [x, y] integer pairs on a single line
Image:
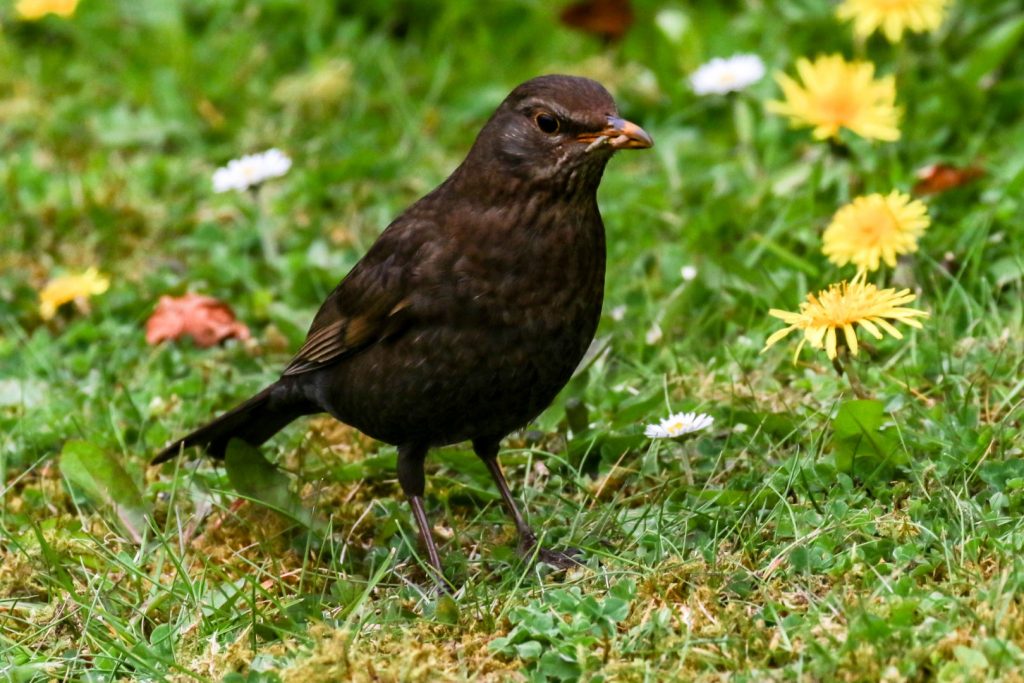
{"points": [[258, 479], [992, 50], [861, 446], [102, 479]]}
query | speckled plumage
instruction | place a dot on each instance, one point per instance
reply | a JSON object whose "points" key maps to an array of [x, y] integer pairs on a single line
{"points": [[471, 311]]}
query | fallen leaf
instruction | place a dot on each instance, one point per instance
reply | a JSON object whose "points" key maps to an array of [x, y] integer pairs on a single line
{"points": [[205, 319], [257, 479], [942, 177], [102, 478], [609, 19]]}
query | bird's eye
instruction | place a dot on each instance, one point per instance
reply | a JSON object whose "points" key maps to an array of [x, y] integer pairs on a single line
{"points": [[547, 123]]}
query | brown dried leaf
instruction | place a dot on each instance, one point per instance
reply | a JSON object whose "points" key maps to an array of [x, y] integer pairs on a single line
{"points": [[609, 19], [205, 319], [942, 177]]}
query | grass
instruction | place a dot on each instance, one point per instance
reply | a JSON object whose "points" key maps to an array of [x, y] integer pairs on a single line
{"points": [[769, 548]]}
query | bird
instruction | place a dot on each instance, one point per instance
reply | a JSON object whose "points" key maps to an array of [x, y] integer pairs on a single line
{"points": [[471, 310]]}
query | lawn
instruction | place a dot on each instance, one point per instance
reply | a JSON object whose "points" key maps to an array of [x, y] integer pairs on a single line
{"points": [[860, 526]]}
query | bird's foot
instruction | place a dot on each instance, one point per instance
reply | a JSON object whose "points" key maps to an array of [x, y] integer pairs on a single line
{"points": [[566, 558]]}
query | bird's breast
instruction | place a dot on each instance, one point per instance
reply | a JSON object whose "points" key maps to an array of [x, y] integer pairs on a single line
{"points": [[541, 271], [539, 309]]}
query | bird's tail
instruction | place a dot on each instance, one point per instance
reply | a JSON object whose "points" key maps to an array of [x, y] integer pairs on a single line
{"points": [[254, 421]]}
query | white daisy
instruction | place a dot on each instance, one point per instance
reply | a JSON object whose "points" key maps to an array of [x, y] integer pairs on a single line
{"points": [[688, 273], [679, 424], [730, 74], [251, 170]]}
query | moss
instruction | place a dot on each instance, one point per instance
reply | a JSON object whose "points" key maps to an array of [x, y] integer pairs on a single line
{"points": [[19, 577], [417, 655], [250, 531]]}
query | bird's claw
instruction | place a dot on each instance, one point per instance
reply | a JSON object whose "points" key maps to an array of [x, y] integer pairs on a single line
{"points": [[560, 559], [567, 558]]}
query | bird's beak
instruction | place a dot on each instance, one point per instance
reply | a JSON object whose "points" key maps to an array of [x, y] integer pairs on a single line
{"points": [[618, 134]]}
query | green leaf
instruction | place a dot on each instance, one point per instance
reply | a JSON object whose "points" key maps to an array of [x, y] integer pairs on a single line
{"points": [[999, 474], [529, 650], [972, 660], [1007, 270], [447, 611], [779, 425], [372, 467], [992, 50], [102, 479], [55, 562], [861, 446], [624, 590], [259, 480], [759, 499], [787, 256], [854, 417], [559, 667]]}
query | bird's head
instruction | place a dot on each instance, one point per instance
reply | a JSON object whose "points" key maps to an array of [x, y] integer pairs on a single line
{"points": [[556, 129]]}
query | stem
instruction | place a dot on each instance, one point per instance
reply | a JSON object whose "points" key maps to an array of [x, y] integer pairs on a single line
{"points": [[265, 228], [687, 470], [742, 118], [839, 149], [842, 166], [855, 384], [850, 369]]}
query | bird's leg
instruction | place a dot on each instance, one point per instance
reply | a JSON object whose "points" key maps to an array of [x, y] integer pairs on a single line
{"points": [[488, 452], [526, 535], [412, 480]]}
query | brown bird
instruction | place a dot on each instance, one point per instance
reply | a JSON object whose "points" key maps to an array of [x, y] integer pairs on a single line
{"points": [[472, 309]]}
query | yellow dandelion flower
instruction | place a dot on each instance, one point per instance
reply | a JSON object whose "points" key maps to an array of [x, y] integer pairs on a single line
{"points": [[842, 306], [67, 288], [893, 16], [37, 9], [839, 94], [875, 228]]}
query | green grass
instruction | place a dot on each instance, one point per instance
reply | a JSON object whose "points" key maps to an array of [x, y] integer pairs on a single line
{"points": [[756, 551]]}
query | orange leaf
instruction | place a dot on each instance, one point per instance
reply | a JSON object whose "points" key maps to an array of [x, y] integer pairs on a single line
{"points": [[609, 19], [941, 177], [205, 319]]}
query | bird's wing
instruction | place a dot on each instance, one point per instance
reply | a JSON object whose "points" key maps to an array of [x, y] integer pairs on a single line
{"points": [[372, 303]]}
